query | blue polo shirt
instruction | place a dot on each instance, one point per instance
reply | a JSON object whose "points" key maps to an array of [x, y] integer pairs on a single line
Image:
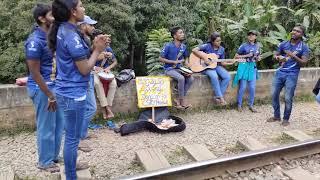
{"points": [[171, 52], [247, 48], [36, 49], [208, 48], [292, 66], [108, 49], [71, 47]]}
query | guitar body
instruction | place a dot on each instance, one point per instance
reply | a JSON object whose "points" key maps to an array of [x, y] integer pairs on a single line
{"points": [[197, 64]]}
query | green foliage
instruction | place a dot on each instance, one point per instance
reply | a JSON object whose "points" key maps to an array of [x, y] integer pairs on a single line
{"points": [[130, 22], [156, 39]]}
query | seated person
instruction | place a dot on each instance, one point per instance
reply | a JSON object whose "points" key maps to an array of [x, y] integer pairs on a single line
{"points": [[173, 54], [107, 62]]}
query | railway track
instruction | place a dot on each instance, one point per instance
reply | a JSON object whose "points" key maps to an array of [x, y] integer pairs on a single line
{"points": [[256, 156]]}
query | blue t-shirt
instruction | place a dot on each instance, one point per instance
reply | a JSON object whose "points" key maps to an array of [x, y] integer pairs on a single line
{"points": [[171, 52], [71, 47], [36, 49], [106, 64], [247, 48], [292, 65], [207, 48]]}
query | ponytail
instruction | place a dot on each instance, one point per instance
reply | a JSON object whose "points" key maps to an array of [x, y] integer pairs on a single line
{"points": [[61, 13], [52, 36]]}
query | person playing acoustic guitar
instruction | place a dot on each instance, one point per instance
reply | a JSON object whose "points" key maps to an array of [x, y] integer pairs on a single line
{"points": [[214, 46], [247, 71], [173, 55]]}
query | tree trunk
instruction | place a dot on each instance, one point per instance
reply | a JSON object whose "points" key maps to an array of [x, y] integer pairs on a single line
{"points": [[131, 56]]}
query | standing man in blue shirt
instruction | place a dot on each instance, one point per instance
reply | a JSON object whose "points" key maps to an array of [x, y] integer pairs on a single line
{"points": [[173, 55], [87, 27], [40, 86], [291, 55], [74, 64], [219, 87]]}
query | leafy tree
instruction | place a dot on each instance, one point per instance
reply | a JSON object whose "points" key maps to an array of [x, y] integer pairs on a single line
{"points": [[156, 40]]}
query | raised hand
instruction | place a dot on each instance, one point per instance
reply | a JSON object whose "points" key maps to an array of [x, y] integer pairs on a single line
{"points": [[100, 42]]}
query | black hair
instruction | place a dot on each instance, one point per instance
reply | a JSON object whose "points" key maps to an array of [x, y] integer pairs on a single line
{"points": [[213, 37], [40, 10], [300, 26], [61, 11], [174, 30]]}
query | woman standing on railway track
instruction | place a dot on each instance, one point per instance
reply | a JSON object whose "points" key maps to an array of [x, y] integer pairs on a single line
{"points": [[74, 64]]}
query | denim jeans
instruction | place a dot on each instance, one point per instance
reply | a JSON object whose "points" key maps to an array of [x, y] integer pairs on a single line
{"points": [[289, 81], [318, 97], [91, 108], [184, 82], [252, 89], [218, 86], [50, 127], [74, 113]]}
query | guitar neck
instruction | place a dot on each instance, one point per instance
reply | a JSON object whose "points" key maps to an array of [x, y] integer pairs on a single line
{"points": [[229, 60]]}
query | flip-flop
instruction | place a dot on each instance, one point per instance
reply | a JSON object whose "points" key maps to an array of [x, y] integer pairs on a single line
{"points": [[187, 106], [94, 126], [110, 124], [179, 107]]}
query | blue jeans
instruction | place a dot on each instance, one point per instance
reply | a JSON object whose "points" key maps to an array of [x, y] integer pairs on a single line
{"points": [[289, 81], [91, 108], [184, 82], [74, 113], [50, 127], [318, 97], [252, 89], [218, 86]]}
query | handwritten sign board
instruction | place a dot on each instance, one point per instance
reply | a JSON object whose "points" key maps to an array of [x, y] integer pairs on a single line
{"points": [[153, 91]]}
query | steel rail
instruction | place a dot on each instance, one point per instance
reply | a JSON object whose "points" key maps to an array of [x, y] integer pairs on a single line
{"points": [[235, 163]]}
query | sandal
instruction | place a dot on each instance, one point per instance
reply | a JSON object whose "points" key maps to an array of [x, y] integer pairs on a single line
{"points": [[82, 166], [187, 106], [110, 124], [52, 168], [84, 147], [94, 126]]}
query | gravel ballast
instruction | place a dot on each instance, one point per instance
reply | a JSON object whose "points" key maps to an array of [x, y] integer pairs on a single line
{"points": [[114, 156]]}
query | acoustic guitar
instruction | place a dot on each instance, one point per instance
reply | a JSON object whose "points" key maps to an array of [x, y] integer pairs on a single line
{"points": [[197, 64]]}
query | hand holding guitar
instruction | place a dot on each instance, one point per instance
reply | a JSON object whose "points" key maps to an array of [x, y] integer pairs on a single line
{"points": [[289, 55]]}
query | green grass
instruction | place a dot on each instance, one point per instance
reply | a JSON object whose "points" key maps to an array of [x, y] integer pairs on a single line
{"points": [[283, 139], [235, 149], [175, 156], [16, 131]]}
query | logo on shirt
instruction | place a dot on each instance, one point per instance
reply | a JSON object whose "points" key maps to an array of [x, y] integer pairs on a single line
{"points": [[78, 43], [32, 47]]}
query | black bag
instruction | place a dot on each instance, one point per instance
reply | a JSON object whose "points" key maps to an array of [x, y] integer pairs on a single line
{"points": [[125, 76], [316, 88], [144, 124]]}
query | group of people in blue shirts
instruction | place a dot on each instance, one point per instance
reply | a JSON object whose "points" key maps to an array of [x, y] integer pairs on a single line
{"points": [[291, 56], [61, 58]]}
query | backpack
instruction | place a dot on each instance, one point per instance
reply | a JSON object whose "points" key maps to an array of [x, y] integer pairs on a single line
{"points": [[125, 76], [316, 88], [143, 124]]}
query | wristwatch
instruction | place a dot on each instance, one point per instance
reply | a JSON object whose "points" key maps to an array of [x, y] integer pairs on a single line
{"points": [[51, 99]]}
